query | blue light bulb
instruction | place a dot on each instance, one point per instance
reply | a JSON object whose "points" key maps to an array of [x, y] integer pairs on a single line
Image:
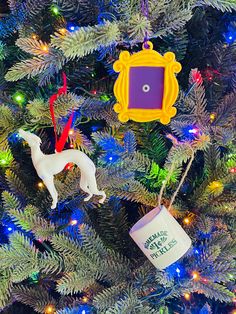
{"points": [[9, 228]]}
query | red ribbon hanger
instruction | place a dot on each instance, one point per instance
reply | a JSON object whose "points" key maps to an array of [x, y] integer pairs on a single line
{"points": [[60, 143]]}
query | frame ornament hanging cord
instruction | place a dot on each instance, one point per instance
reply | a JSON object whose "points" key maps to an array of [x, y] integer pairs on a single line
{"points": [[145, 12]]}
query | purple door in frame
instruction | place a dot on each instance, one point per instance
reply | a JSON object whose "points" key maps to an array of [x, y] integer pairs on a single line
{"points": [[146, 87]]}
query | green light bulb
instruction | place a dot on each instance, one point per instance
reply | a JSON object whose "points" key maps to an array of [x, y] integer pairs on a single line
{"points": [[19, 98], [55, 10], [105, 97]]}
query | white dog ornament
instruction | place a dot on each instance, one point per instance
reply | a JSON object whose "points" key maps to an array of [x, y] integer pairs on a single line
{"points": [[49, 165]]}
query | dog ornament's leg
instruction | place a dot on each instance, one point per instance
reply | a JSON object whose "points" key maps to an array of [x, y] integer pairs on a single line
{"points": [[48, 181]]}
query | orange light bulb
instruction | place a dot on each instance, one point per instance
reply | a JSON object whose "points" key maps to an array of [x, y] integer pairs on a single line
{"points": [[186, 221], [40, 185], [62, 30], [71, 132], [49, 309], [195, 275]]}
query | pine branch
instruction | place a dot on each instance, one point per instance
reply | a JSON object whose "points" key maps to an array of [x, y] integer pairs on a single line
{"points": [[211, 157], [14, 183], [214, 291], [41, 228], [138, 27], [34, 7], [86, 39], [32, 46], [38, 298], [108, 297], [20, 257], [5, 288], [222, 5], [10, 201], [51, 61], [98, 110], [78, 281]]}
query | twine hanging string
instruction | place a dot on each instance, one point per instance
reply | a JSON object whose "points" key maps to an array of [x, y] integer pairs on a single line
{"points": [[182, 179], [164, 183], [60, 143], [145, 12]]}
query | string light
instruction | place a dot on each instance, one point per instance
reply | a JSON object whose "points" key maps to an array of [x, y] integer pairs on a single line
{"points": [[104, 97], [72, 27], [193, 131], [73, 222], [19, 98], [9, 228], [186, 221], [63, 31], [49, 309], [205, 280], [196, 76], [69, 166], [55, 10], [45, 48], [85, 299], [216, 187], [94, 92], [195, 275], [40, 185], [71, 132], [212, 117], [6, 158], [232, 170], [34, 36], [178, 271], [71, 145], [187, 296]]}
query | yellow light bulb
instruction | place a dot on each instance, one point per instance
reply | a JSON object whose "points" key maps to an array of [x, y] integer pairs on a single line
{"points": [[62, 30], [40, 185], [71, 132], [212, 117], [187, 296], [85, 299], [34, 36], [45, 48]]}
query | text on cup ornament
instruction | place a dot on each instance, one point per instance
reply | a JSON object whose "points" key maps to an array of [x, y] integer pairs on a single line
{"points": [[159, 241]]}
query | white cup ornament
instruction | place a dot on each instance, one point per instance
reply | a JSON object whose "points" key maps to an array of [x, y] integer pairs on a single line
{"points": [[160, 237]]}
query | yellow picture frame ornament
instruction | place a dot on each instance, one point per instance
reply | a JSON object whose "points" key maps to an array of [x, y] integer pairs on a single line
{"points": [[146, 58]]}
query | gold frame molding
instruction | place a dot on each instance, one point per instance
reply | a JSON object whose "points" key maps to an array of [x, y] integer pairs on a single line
{"points": [[150, 58]]}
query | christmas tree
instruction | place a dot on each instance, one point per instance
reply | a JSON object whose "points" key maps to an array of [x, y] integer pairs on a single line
{"points": [[56, 81]]}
